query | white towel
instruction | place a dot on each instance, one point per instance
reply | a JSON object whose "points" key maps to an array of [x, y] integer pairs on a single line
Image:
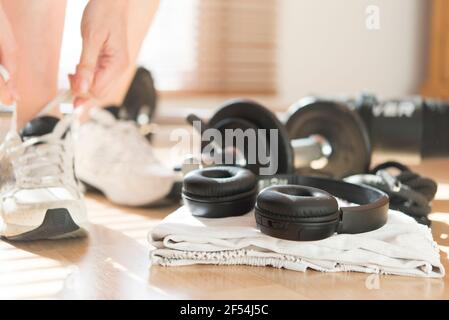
{"points": [[401, 247]]}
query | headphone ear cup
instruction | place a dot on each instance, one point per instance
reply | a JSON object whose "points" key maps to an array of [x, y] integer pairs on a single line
{"points": [[297, 201], [219, 182], [220, 192], [297, 213]]}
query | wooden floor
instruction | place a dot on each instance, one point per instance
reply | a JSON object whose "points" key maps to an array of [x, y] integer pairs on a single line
{"points": [[113, 263]]}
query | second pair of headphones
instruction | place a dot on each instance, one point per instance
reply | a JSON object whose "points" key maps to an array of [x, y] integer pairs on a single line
{"points": [[289, 207]]}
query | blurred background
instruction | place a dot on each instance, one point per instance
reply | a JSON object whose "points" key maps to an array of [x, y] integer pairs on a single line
{"points": [[281, 49]]}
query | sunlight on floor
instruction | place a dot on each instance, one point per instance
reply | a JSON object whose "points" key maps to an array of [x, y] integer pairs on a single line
{"points": [[440, 217], [443, 192], [24, 275], [132, 225]]}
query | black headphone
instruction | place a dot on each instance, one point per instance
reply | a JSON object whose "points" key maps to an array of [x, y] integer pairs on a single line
{"points": [[289, 206]]}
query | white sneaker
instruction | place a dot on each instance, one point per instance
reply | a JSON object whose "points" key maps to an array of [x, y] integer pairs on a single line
{"points": [[39, 194], [112, 156]]}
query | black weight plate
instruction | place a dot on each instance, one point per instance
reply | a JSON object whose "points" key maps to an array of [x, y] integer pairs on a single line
{"points": [[246, 114], [343, 129]]}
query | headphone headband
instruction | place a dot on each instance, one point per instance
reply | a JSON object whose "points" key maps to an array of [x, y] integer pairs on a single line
{"points": [[372, 207]]}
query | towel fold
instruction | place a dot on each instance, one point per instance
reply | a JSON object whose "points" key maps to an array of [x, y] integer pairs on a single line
{"points": [[401, 247]]}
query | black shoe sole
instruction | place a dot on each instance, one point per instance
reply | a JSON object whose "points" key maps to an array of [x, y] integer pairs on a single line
{"points": [[57, 224]]}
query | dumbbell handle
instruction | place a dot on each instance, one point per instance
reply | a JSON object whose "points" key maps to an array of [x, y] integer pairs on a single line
{"points": [[307, 150], [194, 121]]}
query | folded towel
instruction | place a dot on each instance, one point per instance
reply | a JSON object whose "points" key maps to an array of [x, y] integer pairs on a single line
{"points": [[401, 247]]}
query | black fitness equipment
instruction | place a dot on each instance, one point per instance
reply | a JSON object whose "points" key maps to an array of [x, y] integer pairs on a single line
{"points": [[244, 115], [337, 135], [410, 126], [327, 140], [330, 131], [408, 192], [330, 135], [414, 126], [289, 206], [249, 115]]}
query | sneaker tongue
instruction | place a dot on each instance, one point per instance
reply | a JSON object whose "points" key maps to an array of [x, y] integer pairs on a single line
{"points": [[104, 116], [39, 127], [115, 111]]}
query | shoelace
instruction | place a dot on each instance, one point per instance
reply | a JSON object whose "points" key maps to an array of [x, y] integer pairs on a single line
{"points": [[40, 161]]}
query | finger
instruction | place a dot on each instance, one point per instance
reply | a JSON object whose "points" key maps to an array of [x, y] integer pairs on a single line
{"points": [[13, 91], [72, 82], [4, 74], [8, 59], [7, 84], [83, 79], [6, 94], [106, 76], [70, 77], [80, 102]]}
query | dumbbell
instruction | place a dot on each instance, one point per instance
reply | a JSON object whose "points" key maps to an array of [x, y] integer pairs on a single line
{"points": [[336, 145], [410, 126], [341, 140]]}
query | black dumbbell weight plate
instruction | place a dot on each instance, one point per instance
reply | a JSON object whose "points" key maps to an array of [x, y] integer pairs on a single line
{"points": [[245, 114], [342, 128]]}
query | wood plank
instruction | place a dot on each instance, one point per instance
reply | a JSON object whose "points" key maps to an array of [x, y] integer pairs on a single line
{"points": [[113, 263]]}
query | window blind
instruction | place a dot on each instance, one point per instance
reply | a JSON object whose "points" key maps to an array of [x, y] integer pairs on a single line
{"points": [[214, 46]]}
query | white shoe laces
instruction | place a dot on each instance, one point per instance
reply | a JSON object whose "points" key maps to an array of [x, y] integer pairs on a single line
{"points": [[40, 161]]}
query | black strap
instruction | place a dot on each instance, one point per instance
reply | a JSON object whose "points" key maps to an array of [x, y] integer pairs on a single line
{"points": [[373, 204]]}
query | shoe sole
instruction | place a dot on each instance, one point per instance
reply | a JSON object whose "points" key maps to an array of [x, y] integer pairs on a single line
{"points": [[57, 224], [173, 197]]}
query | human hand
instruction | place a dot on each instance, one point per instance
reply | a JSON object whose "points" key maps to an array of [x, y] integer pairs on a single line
{"points": [[105, 49], [8, 49]]}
